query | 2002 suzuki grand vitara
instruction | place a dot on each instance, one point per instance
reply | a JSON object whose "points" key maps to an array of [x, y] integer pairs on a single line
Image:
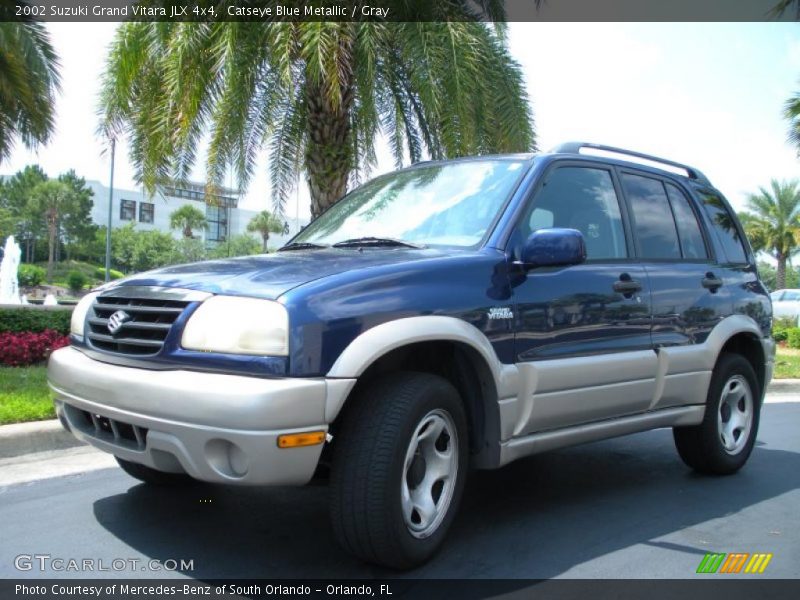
{"points": [[455, 313]]}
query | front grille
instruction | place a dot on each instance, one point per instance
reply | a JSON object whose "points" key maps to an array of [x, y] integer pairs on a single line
{"points": [[108, 430], [143, 333]]}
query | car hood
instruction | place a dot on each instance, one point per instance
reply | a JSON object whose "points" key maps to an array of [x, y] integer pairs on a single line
{"points": [[269, 276]]}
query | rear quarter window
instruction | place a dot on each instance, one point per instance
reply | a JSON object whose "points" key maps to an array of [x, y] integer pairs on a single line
{"points": [[723, 224]]}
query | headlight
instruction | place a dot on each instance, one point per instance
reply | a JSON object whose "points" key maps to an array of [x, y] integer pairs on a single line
{"points": [[78, 320], [238, 326]]}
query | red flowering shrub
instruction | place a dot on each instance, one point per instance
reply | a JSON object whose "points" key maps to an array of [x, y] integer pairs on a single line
{"points": [[29, 348]]}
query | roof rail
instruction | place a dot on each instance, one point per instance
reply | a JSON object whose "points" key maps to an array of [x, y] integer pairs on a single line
{"points": [[575, 147]]}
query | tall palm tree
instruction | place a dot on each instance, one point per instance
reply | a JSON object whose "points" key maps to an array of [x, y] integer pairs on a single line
{"points": [[773, 223], [265, 223], [29, 81], [187, 218], [315, 95]]}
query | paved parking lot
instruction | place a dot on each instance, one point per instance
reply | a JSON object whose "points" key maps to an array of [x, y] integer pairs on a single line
{"points": [[625, 508]]}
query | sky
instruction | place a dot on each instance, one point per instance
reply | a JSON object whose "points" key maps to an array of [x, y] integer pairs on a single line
{"points": [[706, 94]]}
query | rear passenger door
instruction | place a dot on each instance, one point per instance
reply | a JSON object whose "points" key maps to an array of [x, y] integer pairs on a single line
{"points": [[686, 285]]}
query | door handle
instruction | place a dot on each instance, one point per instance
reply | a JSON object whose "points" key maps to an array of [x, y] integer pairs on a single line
{"points": [[711, 282], [626, 285]]}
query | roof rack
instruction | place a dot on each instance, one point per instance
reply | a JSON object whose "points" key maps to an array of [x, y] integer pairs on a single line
{"points": [[575, 147]]}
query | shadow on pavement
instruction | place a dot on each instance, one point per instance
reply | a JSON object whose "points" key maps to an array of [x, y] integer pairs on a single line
{"points": [[536, 518]]}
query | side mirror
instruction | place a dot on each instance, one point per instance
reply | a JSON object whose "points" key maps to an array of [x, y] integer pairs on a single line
{"points": [[553, 247]]}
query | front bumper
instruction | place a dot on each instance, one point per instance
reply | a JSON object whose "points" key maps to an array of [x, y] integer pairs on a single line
{"points": [[215, 427]]}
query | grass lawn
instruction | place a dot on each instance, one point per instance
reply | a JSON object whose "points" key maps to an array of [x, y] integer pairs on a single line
{"points": [[24, 395], [787, 363]]}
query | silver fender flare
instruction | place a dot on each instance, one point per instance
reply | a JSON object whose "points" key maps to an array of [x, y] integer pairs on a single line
{"points": [[374, 343]]}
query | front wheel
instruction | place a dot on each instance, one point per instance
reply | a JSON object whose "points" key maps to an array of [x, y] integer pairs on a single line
{"points": [[722, 443], [399, 467]]}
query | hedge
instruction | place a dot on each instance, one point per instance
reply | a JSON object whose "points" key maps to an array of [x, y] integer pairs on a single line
{"points": [[29, 348], [19, 320], [793, 337]]}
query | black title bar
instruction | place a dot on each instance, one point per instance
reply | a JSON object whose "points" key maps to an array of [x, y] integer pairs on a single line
{"points": [[395, 10]]}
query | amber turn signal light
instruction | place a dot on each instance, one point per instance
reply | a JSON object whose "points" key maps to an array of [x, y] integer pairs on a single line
{"points": [[296, 440]]}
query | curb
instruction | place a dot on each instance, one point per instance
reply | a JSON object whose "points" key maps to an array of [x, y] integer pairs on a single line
{"points": [[44, 436], [37, 436]]}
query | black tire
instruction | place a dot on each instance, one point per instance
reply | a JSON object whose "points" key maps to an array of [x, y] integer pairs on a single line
{"points": [[702, 447], [369, 472], [152, 476]]}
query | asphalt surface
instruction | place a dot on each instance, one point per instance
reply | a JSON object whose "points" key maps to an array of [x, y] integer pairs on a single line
{"points": [[624, 508]]}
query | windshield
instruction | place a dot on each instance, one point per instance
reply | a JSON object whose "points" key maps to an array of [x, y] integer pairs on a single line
{"points": [[450, 204]]}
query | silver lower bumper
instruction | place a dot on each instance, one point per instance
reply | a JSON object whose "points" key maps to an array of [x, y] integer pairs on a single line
{"points": [[215, 427]]}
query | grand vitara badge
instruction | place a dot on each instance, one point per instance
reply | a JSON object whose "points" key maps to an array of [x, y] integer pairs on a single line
{"points": [[117, 320], [501, 313]]}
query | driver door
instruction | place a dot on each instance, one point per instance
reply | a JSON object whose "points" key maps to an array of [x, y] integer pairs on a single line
{"points": [[582, 339]]}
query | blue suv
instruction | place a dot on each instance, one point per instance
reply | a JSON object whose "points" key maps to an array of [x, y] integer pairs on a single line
{"points": [[450, 315]]}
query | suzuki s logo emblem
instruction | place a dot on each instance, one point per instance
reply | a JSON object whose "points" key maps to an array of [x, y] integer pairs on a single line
{"points": [[117, 320]]}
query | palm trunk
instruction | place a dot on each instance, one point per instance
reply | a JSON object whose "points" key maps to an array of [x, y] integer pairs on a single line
{"points": [[328, 150], [780, 275], [265, 239]]}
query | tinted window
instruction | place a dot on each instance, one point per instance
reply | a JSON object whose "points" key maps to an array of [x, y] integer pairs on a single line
{"points": [[725, 227], [583, 199], [791, 296], [692, 243], [654, 225]]}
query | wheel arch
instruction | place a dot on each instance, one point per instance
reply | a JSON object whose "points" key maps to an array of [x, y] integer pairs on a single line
{"points": [[740, 334], [444, 346]]}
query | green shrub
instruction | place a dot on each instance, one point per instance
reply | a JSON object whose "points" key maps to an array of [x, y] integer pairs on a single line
{"points": [[100, 274], [18, 320], [793, 337], [784, 323], [31, 275], [76, 281], [780, 335]]}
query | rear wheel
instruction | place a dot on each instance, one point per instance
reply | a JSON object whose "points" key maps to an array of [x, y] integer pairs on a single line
{"points": [[398, 471], [152, 476], [722, 443]]}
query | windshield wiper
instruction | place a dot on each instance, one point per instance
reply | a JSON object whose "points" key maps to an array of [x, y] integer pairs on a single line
{"points": [[302, 246], [375, 241]]}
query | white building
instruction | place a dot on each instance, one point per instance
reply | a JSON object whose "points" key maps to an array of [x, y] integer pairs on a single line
{"points": [[222, 211]]}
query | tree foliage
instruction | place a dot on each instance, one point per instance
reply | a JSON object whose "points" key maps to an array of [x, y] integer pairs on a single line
{"points": [[29, 81], [314, 95], [187, 219], [772, 223], [792, 113], [263, 224]]}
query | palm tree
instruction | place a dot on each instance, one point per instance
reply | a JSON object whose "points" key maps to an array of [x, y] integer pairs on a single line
{"points": [[773, 223], [29, 81], [264, 223], [315, 95], [187, 218], [792, 113], [51, 199], [782, 6]]}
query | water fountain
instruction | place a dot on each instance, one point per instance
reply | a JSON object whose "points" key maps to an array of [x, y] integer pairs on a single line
{"points": [[9, 286]]}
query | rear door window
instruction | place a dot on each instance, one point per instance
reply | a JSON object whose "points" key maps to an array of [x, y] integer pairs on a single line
{"points": [[653, 223], [691, 236]]}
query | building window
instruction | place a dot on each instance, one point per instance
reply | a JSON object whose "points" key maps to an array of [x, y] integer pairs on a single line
{"points": [[127, 210], [146, 210], [217, 218]]}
